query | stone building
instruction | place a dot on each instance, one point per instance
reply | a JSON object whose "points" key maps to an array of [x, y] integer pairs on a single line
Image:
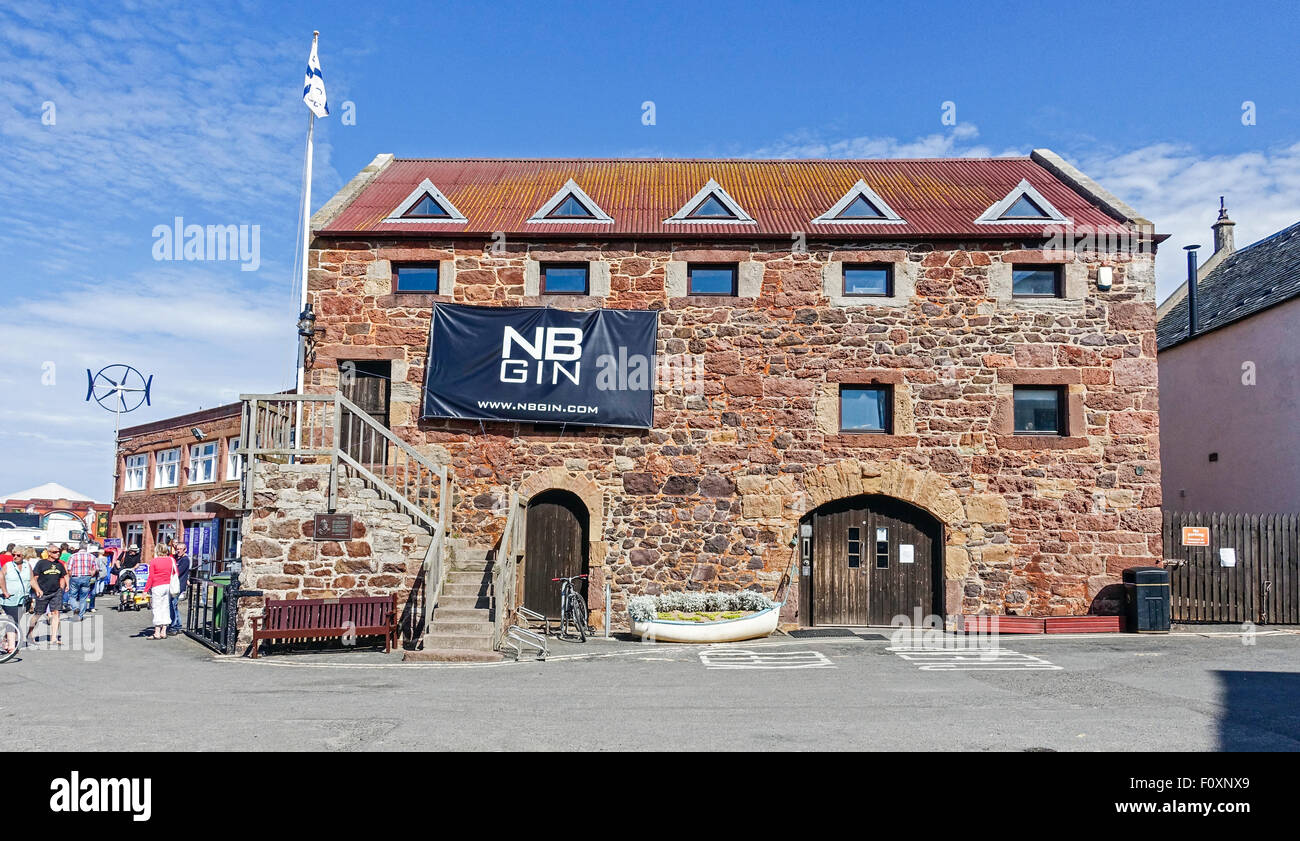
{"points": [[910, 385], [178, 478]]}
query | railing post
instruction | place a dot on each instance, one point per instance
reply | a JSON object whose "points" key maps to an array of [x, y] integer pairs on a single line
{"points": [[251, 447], [334, 455]]}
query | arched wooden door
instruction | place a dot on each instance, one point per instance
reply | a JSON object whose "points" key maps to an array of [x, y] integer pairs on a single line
{"points": [[873, 558], [555, 546]]}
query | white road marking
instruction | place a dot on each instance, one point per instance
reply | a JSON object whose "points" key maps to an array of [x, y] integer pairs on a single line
{"points": [[746, 658], [973, 660]]}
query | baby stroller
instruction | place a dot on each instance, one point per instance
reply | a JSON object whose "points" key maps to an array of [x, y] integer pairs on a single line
{"points": [[131, 588]]}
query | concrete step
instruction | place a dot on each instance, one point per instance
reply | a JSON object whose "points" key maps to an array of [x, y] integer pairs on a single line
{"points": [[463, 602], [454, 626], [452, 655], [468, 614], [450, 589], [474, 642], [472, 555], [457, 576]]}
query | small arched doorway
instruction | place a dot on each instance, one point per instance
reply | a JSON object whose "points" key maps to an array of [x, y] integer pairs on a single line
{"points": [[872, 558], [555, 546]]}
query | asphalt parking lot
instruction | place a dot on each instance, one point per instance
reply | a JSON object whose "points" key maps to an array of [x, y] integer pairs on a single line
{"points": [[1190, 691]]}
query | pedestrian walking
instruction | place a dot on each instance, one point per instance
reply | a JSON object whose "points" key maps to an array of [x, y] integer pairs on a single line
{"points": [[182, 558], [15, 592], [49, 581], [7, 555], [82, 567], [162, 572]]}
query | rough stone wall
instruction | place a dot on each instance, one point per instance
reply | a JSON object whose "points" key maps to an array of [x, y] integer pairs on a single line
{"points": [[282, 559], [712, 495]]}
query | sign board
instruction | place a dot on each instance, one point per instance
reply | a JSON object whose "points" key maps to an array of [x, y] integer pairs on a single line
{"points": [[906, 553], [199, 539], [542, 365], [333, 527], [1196, 535], [112, 543], [1228, 557]]}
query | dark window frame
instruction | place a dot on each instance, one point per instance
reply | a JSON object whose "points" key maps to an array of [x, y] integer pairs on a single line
{"points": [[888, 389], [541, 277], [1058, 274], [1062, 411], [889, 280], [411, 214], [734, 268], [695, 211], [555, 214], [396, 269]]}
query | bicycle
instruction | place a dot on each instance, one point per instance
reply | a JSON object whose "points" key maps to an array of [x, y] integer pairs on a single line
{"points": [[573, 609], [11, 638]]}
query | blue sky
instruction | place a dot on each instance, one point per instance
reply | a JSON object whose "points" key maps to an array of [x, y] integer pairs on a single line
{"points": [[169, 109]]}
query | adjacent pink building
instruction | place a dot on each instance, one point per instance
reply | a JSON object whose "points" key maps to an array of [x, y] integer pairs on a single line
{"points": [[1230, 392]]}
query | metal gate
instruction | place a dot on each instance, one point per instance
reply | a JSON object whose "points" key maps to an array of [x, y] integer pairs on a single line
{"points": [[1257, 578]]}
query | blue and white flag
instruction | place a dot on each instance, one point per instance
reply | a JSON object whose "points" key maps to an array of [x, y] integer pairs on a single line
{"points": [[313, 86]]}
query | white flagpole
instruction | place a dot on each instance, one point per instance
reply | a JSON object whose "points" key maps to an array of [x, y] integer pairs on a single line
{"points": [[306, 238]]}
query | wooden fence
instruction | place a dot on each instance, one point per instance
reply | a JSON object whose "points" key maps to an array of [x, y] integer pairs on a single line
{"points": [[1262, 586]]}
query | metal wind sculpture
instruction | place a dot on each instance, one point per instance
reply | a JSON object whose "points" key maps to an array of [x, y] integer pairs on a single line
{"points": [[119, 389]]}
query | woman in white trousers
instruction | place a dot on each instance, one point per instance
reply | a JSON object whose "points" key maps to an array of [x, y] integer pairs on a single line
{"points": [[161, 570]]}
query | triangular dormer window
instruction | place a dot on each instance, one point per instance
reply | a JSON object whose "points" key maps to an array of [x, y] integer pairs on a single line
{"points": [[861, 205], [426, 203], [426, 208], [1023, 205], [860, 208], [711, 205], [570, 204]]}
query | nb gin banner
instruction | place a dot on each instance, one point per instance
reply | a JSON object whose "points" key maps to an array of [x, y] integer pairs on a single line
{"points": [[542, 365]]}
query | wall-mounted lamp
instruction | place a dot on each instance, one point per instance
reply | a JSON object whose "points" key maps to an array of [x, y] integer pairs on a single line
{"points": [[1105, 275], [307, 331]]}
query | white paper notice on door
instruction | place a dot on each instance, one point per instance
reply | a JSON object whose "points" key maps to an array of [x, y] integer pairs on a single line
{"points": [[1228, 557], [906, 555]]}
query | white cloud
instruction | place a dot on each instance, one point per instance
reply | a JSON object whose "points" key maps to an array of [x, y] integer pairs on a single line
{"points": [[956, 142], [1178, 189]]}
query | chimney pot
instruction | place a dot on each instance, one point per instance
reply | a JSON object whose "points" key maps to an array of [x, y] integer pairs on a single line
{"points": [[1223, 239]]}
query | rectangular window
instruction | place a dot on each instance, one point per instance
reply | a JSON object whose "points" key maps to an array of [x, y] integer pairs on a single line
{"points": [[711, 279], [166, 534], [869, 279], [1036, 281], [867, 408], [134, 536], [136, 468], [415, 277], [203, 462], [166, 469], [882, 548], [855, 547], [564, 278], [230, 538], [234, 463], [1039, 410]]}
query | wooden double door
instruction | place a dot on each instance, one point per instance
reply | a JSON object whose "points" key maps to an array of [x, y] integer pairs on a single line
{"points": [[873, 558], [555, 546]]}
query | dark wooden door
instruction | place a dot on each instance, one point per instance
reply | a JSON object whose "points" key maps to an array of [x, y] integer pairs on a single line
{"points": [[555, 546], [873, 558], [366, 383]]}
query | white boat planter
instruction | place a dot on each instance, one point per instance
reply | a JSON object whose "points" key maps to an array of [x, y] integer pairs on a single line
{"points": [[753, 626]]}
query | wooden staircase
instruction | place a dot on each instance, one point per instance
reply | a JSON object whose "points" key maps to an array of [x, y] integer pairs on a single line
{"points": [[461, 628]]}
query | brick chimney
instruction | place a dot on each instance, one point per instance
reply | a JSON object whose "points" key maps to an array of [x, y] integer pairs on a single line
{"points": [[1223, 241]]}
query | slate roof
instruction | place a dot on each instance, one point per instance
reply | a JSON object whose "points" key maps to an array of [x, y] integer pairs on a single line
{"points": [[935, 197], [1253, 279]]}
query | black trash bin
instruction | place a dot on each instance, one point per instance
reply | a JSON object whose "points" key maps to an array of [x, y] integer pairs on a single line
{"points": [[1146, 596]]}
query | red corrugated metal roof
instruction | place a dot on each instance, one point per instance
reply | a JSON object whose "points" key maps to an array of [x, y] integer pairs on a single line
{"points": [[936, 197]]}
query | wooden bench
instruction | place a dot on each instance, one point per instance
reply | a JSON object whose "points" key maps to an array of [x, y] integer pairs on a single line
{"points": [[309, 619]]}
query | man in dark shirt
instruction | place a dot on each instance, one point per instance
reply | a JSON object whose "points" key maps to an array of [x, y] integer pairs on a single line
{"points": [[49, 580], [182, 558]]}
